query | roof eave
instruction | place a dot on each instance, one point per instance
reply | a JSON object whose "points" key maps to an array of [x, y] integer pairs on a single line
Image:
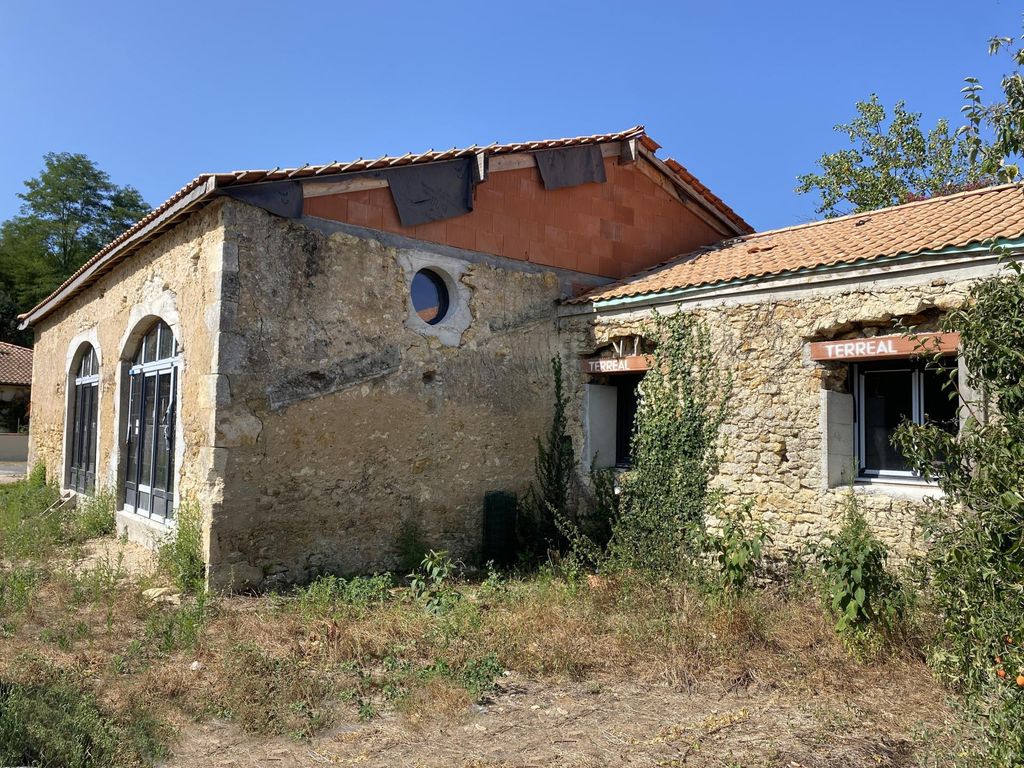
{"points": [[167, 218], [671, 295]]}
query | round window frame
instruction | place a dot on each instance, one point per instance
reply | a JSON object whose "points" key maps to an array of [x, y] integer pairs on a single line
{"points": [[443, 288]]}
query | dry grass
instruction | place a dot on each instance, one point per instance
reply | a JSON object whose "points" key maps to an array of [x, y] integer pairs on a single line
{"points": [[291, 666]]}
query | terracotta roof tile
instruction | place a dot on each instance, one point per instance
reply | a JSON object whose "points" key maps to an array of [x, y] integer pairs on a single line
{"points": [[960, 220], [200, 190], [15, 364]]}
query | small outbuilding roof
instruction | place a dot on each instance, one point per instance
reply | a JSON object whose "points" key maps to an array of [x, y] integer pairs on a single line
{"points": [[202, 189], [15, 365], [926, 226]]}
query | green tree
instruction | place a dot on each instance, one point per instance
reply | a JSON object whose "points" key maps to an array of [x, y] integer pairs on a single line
{"points": [[976, 557], [994, 132], [891, 161], [68, 212]]}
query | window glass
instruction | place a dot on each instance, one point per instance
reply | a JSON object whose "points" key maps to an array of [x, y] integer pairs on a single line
{"points": [[939, 399], [627, 390], [888, 402], [149, 347], [166, 347], [146, 453], [133, 428], [429, 296]]}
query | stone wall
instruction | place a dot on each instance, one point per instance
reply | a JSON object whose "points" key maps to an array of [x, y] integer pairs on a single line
{"points": [[176, 278], [772, 445], [344, 419]]}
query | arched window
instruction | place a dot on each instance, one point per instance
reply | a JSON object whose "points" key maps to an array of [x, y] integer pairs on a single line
{"points": [[82, 409], [152, 394]]}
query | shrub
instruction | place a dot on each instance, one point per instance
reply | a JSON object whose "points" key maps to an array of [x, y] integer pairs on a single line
{"points": [[862, 595], [550, 500], [181, 553], [739, 548], [684, 399], [976, 554]]}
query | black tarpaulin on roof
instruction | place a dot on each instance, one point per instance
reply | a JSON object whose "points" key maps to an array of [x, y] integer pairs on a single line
{"points": [[570, 166], [431, 192]]}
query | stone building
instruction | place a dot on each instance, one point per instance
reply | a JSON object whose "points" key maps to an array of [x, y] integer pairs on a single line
{"points": [[320, 359], [809, 320], [325, 359], [15, 386]]}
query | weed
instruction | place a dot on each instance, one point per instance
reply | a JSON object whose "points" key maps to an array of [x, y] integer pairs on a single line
{"points": [[54, 722], [94, 517], [739, 547], [181, 554], [17, 584], [863, 596], [329, 595], [178, 628], [29, 529], [430, 584]]}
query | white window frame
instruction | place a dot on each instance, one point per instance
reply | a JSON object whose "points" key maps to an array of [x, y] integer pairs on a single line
{"points": [[916, 416]]}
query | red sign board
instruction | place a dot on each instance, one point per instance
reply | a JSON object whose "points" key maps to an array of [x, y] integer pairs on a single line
{"points": [[627, 364], [885, 347]]}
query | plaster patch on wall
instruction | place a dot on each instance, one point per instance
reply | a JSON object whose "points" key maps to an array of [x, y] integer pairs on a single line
{"points": [[324, 380]]}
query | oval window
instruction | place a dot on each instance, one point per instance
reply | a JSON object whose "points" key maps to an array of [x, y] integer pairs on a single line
{"points": [[429, 296]]}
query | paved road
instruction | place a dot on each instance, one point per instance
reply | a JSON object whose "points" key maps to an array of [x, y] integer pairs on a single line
{"points": [[12, 471]]}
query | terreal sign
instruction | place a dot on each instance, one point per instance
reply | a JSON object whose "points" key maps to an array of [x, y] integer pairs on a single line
{"points": [[627, 364], [885, 347]]}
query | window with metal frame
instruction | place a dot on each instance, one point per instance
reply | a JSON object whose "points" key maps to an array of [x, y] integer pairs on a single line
{"points": [[82, 408], [890, 393], [150, 432]]}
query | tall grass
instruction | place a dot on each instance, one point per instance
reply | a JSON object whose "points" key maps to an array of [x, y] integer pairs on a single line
{"points": [[26, 530]]}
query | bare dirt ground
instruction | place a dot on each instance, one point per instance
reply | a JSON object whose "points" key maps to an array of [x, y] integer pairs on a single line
{"points": [[136, 561], [886, 722]]}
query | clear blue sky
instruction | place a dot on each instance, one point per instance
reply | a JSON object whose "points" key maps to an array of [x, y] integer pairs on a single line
{"points": [[742, 93]]}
